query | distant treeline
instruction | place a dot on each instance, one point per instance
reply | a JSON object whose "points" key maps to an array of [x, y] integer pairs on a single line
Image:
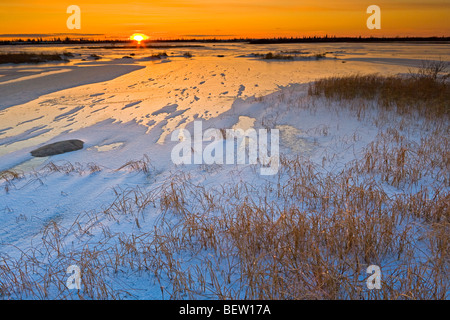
{"points": [[68, 40], [345, 39]]}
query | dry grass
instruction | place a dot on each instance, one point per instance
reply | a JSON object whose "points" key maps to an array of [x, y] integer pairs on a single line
{"points": [[8, 177], [432, 69], [143, 165], [26, 57], [305, 234], [95, 56], [160, 55], [67, 167], [311, 238], [276, 56], [426, 95], [290, 55]]}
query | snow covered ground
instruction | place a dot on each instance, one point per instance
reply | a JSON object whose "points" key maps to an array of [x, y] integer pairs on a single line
{"points": [[109, 207]]}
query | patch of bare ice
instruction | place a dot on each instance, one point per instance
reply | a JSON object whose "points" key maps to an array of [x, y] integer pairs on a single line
{"points": [[291, 138], [107, 147]]}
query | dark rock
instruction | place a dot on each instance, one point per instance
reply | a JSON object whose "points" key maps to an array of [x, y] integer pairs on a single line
{"points": [[58, 148]]}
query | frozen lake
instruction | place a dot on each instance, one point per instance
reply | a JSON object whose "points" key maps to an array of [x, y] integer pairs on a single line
{"points": [[359, 182], [43, 101]]}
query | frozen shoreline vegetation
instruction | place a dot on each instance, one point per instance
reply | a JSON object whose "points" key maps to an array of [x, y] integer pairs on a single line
{"points": [[368, 185], [33, 57], [289, 55], [363, 177]]}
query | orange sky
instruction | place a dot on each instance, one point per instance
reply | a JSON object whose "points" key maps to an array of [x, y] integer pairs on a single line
{"points": [[235, 18]]}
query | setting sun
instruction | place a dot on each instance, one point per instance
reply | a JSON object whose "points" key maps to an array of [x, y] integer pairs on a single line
{"points": [[138, 37]]}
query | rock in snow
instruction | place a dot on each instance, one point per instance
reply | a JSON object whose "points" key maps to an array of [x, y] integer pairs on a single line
{"points": [[58, 148]]}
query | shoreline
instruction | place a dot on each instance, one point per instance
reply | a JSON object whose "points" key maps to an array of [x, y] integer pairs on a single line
{"points": [[326, 39]]}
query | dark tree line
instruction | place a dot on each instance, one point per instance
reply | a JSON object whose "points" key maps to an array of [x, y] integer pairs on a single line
{"points": [[310, 39]]}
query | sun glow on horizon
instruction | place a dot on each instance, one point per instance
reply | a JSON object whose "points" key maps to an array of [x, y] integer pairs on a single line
{"points": [[138, 37]]}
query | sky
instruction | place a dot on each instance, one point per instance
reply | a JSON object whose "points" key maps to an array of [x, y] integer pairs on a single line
{"points": [[224, 19]]}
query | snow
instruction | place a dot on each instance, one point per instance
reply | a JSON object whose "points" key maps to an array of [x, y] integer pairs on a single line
{"points": [[124, 110]]}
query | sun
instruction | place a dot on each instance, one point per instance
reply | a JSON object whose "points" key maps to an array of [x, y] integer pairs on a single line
{"points": [[138, 37]]}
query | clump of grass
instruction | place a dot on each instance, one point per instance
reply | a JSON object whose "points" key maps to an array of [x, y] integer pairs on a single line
{"points": [[95, 56], [295, 52], [63, 167], [319, 56], [430, 69], [427, 95], [187, 55], [8, 177], [274, 56], [68, 54], [26, 57], [143, 165], [93, 167], [160, 55], [289, 55], [67, 167]]}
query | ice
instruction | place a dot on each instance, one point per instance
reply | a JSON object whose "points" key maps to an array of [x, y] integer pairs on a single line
{"points": [[125, 109]]}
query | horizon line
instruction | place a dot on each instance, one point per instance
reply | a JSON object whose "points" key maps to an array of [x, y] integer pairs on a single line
{"points": [[97, 37]]}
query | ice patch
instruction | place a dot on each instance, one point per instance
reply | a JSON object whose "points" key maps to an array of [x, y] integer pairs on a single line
{"points": [[291, 138], [107, 147], [244, 123]]}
